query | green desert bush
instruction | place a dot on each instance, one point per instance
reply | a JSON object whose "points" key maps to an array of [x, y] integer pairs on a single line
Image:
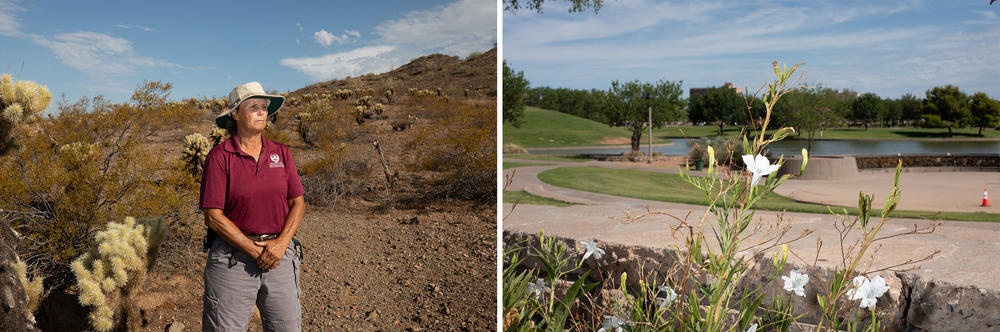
{"points": [[89, 163], [20, 102], [110, 275]]}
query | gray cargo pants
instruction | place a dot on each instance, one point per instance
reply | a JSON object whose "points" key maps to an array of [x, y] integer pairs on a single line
{"points": [[231, 290]]}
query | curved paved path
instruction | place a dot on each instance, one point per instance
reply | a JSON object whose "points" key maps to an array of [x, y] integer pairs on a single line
{"points": [[969, 250]]}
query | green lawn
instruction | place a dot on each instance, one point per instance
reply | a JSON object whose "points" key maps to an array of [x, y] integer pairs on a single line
{"points": [[522, 197], [666, 187], [546, 157], [544, 128], [512, 164]]}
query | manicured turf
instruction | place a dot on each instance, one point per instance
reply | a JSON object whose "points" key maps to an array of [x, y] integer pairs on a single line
{"points": [[512, 164], [545, 157], [666, 187], [522, 197], [544, 128], [833, 133]]}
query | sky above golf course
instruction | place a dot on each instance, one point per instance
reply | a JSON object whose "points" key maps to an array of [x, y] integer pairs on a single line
{"points": [[886, 47], [205, 48]]}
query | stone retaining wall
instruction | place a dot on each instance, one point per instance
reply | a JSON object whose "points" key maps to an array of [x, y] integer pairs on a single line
{"points": [[964, 161], [914, 304]]}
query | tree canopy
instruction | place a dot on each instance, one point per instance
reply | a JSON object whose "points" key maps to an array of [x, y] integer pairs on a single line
{"points": [[946, 107], [514, 88], [627, 104], [536, 5], [718, 105]]}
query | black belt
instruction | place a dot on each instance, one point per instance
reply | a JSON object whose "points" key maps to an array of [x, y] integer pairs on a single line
{"points": [[263, 237]]}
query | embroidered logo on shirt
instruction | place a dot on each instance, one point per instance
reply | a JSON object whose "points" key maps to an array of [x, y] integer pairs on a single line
{"points": [[276, 161]]}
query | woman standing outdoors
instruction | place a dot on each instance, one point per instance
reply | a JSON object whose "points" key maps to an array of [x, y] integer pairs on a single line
{"points": [[252, 199]]}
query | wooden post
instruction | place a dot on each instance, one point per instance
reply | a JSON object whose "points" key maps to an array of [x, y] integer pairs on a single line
{"points": [[385, 167]]}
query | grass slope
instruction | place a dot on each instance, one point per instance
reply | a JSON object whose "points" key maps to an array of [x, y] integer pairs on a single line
{"points": [[512, 164], [545, 128], [545, 157], [523, 197], [671, 188]]}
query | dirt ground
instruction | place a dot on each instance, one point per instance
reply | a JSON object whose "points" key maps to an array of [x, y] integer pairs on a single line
{"points": [[427, 270]]}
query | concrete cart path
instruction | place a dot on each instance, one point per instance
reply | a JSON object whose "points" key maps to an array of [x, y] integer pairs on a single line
{"points": [[969, 250]]}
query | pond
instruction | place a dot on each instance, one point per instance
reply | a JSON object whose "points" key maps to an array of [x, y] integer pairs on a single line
{"points": [[829, 148]]}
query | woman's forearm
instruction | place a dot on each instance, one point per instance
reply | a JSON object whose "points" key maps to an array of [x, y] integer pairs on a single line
{"points": [[296, 209], [225, 229]]}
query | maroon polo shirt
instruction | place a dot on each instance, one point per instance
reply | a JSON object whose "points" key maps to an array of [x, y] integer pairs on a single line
{"points": [[253, 194]]}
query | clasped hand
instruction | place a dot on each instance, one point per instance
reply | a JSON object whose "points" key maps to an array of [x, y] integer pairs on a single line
{"points": [[270, 253]]}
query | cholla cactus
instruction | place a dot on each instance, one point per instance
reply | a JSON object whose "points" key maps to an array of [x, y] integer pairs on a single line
{"points": [[364, 101], [411, 91], [196, 148], [359, 114], [440, 93], [20, 102], [388, 96], [110, 274], [378, 108], [217, 135], [32, 288]]}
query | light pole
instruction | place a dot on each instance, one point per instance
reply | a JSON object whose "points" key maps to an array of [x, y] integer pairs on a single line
{"points": [[649, 98]]}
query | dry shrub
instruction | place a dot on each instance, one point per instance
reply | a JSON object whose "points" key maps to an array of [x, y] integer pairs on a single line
{"points": [[513, 148], [321, 125], [459, 144], [333, 177], [91, 164]]}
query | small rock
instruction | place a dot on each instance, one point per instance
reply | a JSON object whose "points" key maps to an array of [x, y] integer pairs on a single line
{"points": [[175, 327]]}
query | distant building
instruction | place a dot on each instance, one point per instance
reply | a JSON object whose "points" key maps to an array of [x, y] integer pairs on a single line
{"points": [[698, 91]]}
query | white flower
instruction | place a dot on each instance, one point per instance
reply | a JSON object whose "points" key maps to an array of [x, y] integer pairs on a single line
{"points": [[592, 249], [670, 298], [795, 281], [759, 166], [752, 328], [868, 290], [613, 323], [539, 289]]}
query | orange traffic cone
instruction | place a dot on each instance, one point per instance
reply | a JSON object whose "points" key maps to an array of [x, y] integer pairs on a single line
{"points": [[986, 198]]}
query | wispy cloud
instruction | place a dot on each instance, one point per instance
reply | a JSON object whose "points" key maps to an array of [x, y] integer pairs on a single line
{"points": [[351, 63], [137, 27], [325, 38], [885, 48], [98, 54], [299, 25], [458, 28], [9, 26]]}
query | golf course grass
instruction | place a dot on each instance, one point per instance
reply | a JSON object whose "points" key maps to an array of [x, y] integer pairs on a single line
{"points": [[512, 164], [544, 157], [523, 197], [666, 187], [544, 128]]}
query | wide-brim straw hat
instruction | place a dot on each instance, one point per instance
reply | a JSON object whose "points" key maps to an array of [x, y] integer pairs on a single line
{"points": [[247, 91]]}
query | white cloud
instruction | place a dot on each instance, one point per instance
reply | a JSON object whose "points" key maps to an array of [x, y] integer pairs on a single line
{"points": [[989, 14], [458, 28], [9, 26], [351, 63], [299, 25], [97, 53], [138, 27], [325, 38]]}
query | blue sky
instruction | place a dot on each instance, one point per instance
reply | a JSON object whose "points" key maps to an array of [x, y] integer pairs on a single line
{"points": [[886, 47], [84, 48]]}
